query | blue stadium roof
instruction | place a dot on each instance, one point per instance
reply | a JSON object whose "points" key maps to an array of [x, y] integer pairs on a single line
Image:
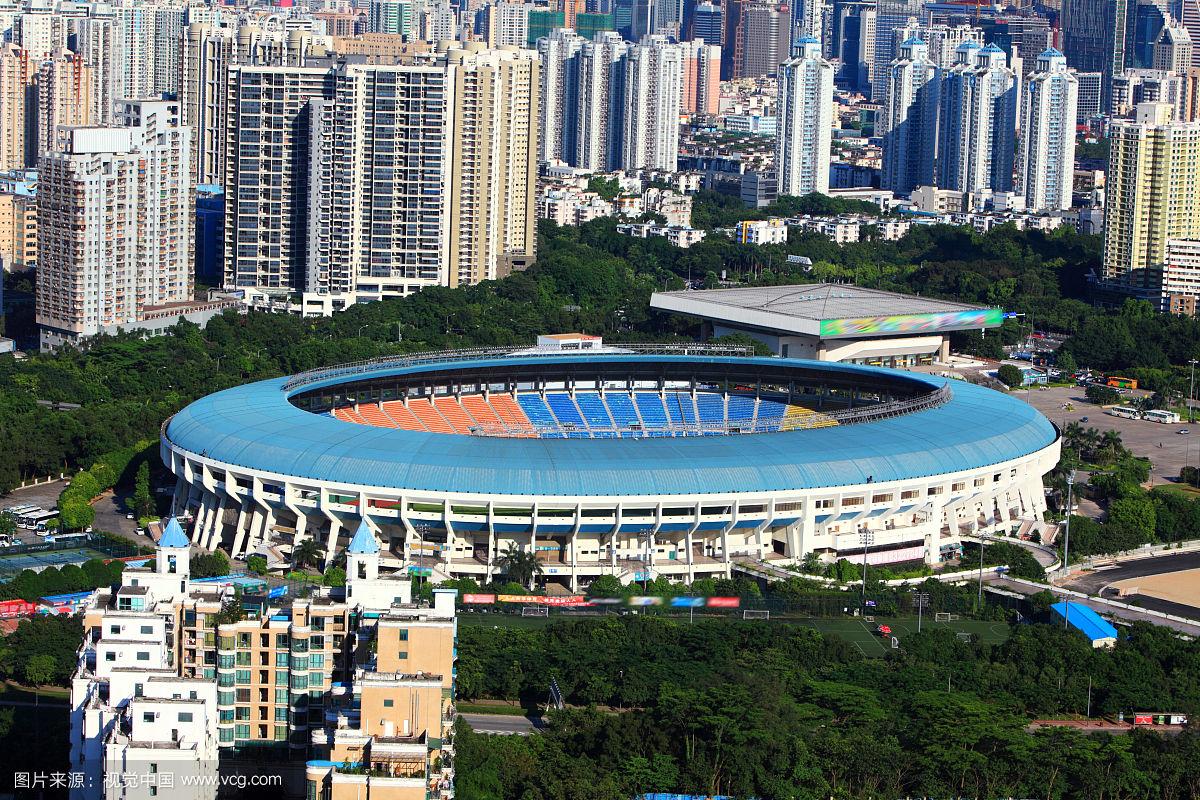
{"points": [[1094, 626], [255, 427]]}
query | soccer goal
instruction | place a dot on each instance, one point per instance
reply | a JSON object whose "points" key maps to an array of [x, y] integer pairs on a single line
{"points": [[963, 635], [895, 643], [942, 616], [755, 613], [867, 618], [535, 611]]}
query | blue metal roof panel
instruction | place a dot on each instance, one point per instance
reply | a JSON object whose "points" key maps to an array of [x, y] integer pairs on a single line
{"points": [[1094, 626], [253, 426]]}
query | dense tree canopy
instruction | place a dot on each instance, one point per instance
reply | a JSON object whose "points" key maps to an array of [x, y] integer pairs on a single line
{"points": [[779, 711]]}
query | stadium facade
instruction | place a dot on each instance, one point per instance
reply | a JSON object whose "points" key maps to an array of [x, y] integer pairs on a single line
{"points": [[634, 462]]}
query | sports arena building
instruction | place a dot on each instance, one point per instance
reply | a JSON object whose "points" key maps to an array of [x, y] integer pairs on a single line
{"points": [[680, 461]]}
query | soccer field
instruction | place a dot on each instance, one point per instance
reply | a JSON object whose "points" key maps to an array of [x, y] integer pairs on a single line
{"points": [[862, 634]]}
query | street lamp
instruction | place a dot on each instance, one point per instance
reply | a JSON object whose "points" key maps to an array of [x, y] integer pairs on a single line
{"points": [[868, 538], [1191, 389], [979, 599]]}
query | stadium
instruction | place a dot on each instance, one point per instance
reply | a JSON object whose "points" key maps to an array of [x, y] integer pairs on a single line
{"points": [[656, 460]]}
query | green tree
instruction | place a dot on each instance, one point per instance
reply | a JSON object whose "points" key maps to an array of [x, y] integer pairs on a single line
{"points": [[606, 586], [8, 524], [307, 554], [1010, 375], [142, 500], [40, 669], [334, 576], [1066, 363], [257, 564], [520, 566]]}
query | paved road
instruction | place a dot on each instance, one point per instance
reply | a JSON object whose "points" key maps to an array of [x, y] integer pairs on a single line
{"points": [[1139, 435], [1093, 582], [1096, 604], [503, 724]]}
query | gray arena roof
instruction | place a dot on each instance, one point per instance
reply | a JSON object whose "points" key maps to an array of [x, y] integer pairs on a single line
{"points": [[828, 310]]}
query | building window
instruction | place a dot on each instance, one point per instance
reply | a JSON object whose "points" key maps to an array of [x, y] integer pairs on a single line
{"points": [[185, 716], [114, 630], [404, 634], [143, 655], [147, 629], [388, 703], [147, 716], [242, 676], [241, 731], [110, 656]]}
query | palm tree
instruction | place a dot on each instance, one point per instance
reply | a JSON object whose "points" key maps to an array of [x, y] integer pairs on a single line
{"points": [[306, 554], [520, 566]]}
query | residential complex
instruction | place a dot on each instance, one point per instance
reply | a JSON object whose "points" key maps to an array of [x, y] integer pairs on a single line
{"points": [[1047, 160], [806, 113], [115, 224], [1154, 168], [175, 674]]}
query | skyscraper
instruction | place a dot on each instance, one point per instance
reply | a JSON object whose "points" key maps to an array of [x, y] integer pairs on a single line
{"points": [[978, 121], [1173, 50], [1150, 194], [853, 45], [1047, 164], [99, 42], [268, 124], [559, 102], [708, 23], [701, 78], [1094, 37], [64, 91], [601, 102], [805, 121], [809, 19], [889, 15], [764, 39], [390, 16], [653, 98], [910, 121], [389, 178], [1190, 18], [17, 108], [115, 223]]}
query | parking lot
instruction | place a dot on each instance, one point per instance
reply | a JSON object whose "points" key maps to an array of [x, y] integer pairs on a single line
{"points": [[1167, 450], [110, 511]]}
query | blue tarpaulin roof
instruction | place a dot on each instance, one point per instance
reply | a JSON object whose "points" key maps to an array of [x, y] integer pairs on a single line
{"points": [[255, 427], [1092, 624]]}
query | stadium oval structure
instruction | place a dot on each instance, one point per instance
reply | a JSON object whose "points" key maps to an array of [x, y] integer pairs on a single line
{"points": [[678, 461]]}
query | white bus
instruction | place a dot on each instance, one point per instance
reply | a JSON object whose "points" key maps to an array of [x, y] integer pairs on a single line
{"points": [[1161, 415], [1125, 411], [36, 520]]}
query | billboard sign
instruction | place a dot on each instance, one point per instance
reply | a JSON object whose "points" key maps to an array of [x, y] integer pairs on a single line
{"points": [[973, 319], [479, 599]]}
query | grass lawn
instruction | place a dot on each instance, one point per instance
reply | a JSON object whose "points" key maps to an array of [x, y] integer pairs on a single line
{"points": [[1190, 492], [51, 694], [856, 631]]}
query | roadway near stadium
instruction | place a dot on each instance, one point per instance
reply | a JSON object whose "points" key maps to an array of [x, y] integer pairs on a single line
{"points": [[635, 461], [1166, 583]]}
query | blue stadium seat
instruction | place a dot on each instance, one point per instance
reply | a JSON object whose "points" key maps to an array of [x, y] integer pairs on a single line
{"points": [[682, 407], [771, 409], [711, 407], [741, 408], [564, 409], [535, 408], [593, 410], [651, 407], [620, 406]]}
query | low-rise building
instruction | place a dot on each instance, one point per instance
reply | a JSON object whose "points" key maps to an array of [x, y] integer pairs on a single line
{"points": [[762, 231], [678, 236]]}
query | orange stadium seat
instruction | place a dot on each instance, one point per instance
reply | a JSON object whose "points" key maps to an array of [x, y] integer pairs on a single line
{"points": [[374, 415], [429, 416], [506, 408], [403, 417], [454, 414], [477, 406]]}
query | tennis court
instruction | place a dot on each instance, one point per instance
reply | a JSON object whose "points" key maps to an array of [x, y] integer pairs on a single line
{"points": [[11, 565]]}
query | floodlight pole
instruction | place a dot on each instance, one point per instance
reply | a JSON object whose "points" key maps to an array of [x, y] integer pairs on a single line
{"points": [[867, 539], [1067, 548]]}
